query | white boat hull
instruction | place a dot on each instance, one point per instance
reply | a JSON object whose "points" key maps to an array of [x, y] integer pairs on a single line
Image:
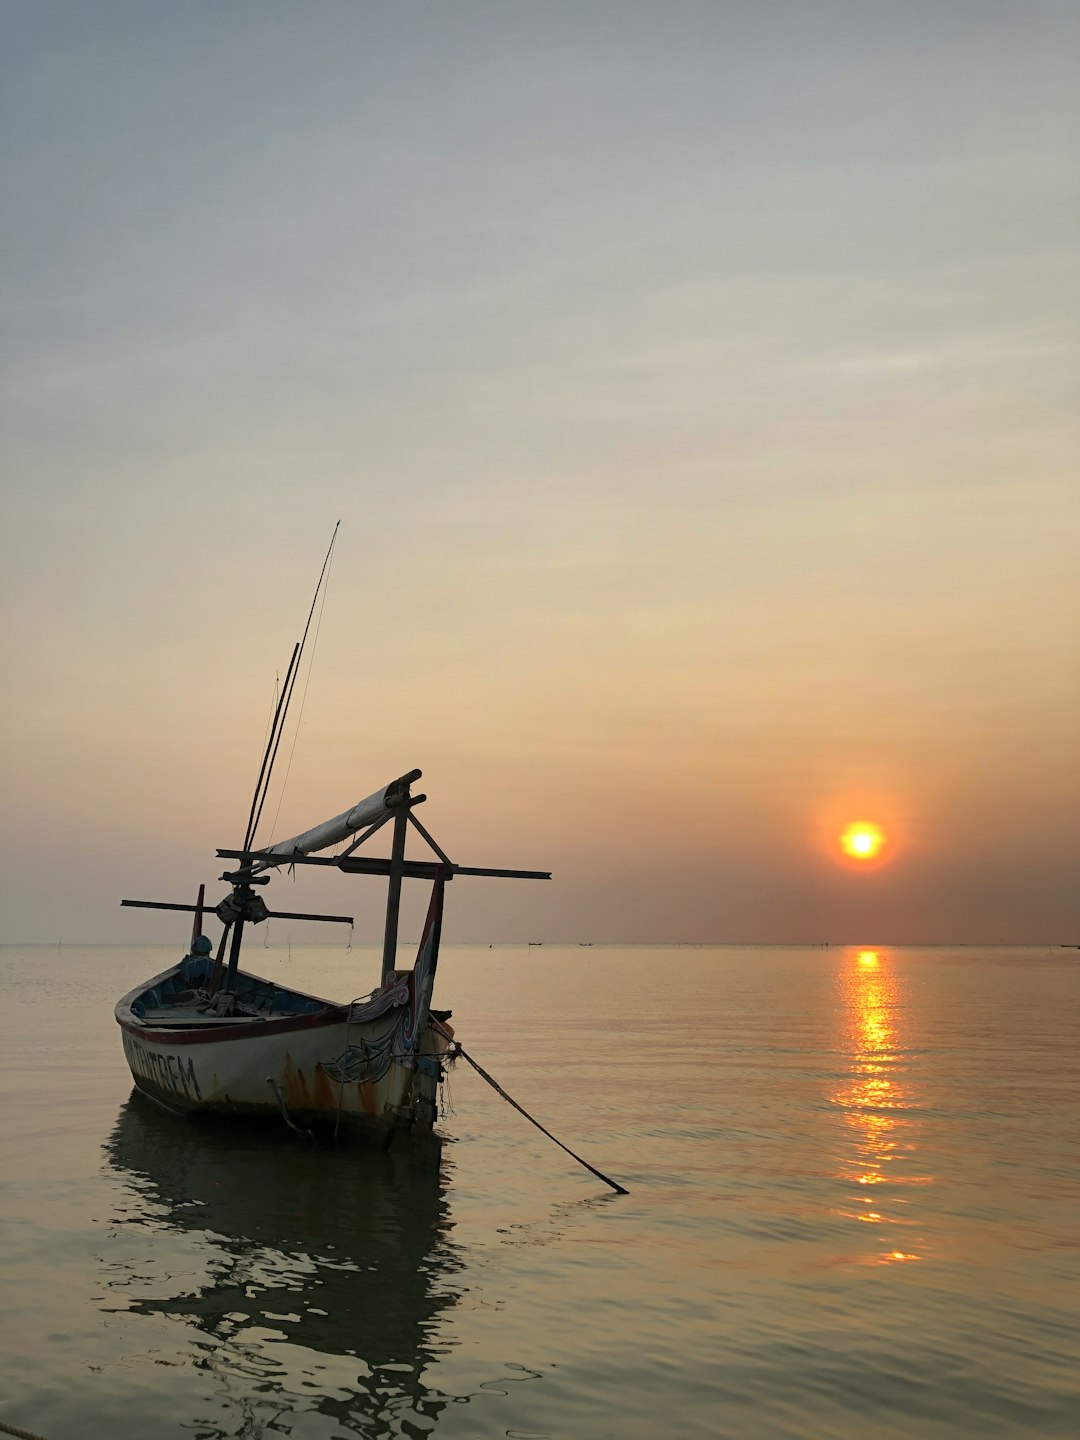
{"points": [[314, 1069]]}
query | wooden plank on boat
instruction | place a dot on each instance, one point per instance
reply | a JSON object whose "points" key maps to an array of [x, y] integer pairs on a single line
{"points": [[199, 1022]]}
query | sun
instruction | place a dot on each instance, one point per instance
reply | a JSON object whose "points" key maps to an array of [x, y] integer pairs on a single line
{"points": [[861, 840]]}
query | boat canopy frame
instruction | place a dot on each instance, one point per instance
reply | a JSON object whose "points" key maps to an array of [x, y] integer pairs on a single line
{"points": [[243, 905]]}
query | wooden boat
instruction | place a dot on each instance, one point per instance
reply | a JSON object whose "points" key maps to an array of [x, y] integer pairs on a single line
{"points": [[206, 1036]]}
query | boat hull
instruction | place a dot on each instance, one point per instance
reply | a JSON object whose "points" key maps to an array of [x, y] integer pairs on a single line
{"points": [[323, 1068]]}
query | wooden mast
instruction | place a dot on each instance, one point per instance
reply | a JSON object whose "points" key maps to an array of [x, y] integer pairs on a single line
{"points": [[234, 954], [393, 888]]}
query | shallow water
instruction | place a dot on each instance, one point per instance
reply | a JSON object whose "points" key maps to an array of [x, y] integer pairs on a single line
{"points": [[855, 1191]]}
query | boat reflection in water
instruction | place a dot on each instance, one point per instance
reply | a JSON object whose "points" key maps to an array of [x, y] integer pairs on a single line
{"points": [[877, 1102], [318, 1281]]}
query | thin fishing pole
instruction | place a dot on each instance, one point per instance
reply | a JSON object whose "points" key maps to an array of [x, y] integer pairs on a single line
{"points": [[292, 687], [300, 717], [263, 784], [274, 698], [282, 698]]}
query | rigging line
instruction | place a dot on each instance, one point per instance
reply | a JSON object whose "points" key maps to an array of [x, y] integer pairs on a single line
{"points": [[273, 707], [254, 825], [303, 702]]}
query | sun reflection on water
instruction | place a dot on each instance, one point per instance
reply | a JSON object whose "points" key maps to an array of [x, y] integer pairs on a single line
{"points": [[875, 1098]]}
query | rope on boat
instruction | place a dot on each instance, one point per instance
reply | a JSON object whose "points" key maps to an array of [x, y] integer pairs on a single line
{"points": [[22, 1434], [300, 1129], [341, 1082]]}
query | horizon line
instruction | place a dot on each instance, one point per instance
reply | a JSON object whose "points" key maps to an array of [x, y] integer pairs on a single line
{"points": [[591, 944]]}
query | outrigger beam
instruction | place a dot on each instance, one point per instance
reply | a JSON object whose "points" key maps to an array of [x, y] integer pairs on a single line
{"points": [[412, 869], [270, 914]]}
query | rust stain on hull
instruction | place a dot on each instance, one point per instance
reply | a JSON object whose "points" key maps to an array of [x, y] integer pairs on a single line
{"points": [[294, 1084], [318, 1094]]}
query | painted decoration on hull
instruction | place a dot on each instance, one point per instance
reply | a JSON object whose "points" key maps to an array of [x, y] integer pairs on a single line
{"points": [[369, 1060], [409, 990], [395, 991]]}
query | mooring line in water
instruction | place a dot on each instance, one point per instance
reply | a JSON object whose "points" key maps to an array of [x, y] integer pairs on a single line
{"points": [[14, 1430], [619, 1189]]}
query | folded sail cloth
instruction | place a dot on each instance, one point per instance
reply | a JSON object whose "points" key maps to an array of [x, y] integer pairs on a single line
{"points": [[332, 832]]}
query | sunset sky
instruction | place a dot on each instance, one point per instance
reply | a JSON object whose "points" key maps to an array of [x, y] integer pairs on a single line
{"points": [[696, 385]]}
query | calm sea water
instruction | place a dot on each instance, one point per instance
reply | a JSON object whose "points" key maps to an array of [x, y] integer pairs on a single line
{"points": [[854, 1210]]}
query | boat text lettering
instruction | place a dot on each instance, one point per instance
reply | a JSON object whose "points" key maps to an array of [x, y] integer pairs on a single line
{"points": [[167, 1072]]}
